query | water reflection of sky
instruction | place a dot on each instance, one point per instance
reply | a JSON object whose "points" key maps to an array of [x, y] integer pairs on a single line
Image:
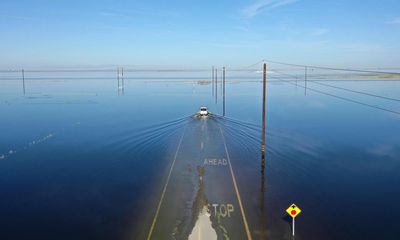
{"points": [[337, 159]]}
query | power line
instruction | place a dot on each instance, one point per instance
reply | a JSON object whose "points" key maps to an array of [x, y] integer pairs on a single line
{"points": [[255, 64], [331, 68], [286, 74], [354, 91], [342, 98], [345, 89]]}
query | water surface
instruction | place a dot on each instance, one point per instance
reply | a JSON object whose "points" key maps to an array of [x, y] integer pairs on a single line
{"points": [[80, 159]]}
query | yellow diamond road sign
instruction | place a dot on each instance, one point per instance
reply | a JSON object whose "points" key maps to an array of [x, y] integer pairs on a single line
{"points": [[293, 210]]}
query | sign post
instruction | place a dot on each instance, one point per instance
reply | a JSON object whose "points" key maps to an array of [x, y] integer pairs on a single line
{"points": [[293, 211]]}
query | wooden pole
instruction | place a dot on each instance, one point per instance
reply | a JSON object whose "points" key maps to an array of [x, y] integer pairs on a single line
{"points": [[263, 118], [118, 77], [212, 81], [123, 82], [23, 80], [262, 193], [223, 91], [222, 82], [305, 81], [216, 85]]}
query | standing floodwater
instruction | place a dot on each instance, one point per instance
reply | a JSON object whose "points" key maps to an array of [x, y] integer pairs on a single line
{"points": [[201, 180], [82, 159]]}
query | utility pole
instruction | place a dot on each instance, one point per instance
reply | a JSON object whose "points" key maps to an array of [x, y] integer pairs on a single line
{"points": [[216, 85], [222, 82], [212, 81], [123, 85], [223, 91], [23, 80], [262, 187], [305, 81], [263, 118], [123, 81], [118, 77]]}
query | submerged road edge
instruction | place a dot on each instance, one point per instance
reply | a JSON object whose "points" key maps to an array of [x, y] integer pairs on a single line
{"points": [[246, 225], [165, 187]]}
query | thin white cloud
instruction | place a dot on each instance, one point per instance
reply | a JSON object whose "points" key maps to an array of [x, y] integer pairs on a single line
{"points": [[14, 17], [241, 28], [263, 5], [363, 47], [134, 13], [395, 20], [319, 32], [110, 14]]}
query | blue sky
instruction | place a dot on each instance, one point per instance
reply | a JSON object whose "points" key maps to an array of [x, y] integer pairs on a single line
{"points": [[192, 33]]}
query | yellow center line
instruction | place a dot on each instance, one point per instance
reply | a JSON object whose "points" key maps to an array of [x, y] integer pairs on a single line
{"points": [[165, 187], [246, 226]]}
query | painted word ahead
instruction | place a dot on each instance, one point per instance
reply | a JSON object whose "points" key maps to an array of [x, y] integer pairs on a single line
{"points": [[215, 162]]}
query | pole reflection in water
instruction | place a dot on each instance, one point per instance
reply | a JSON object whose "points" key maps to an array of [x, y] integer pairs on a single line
{"points": [[262, 233], [121, 82]]}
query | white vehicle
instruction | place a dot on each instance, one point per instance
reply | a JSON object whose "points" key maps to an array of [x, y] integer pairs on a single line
{"points": [[203, 111]]}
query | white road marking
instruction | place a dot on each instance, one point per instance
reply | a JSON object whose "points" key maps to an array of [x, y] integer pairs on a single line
{"points": [[246, 226], [165, 187]]}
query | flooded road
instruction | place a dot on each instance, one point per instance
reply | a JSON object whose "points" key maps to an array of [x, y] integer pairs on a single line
{"points": [[81, 160], [201, 197]]}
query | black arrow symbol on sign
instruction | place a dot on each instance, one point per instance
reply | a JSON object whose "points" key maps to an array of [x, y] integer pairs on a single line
{"points": [[293, 206]]}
